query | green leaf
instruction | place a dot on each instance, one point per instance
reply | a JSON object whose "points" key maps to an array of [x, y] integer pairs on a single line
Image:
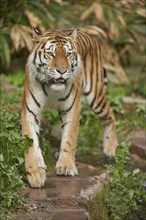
{"points": [[4, 50]]}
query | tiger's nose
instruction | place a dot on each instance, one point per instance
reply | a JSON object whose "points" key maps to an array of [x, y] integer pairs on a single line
{"points": [[61, 71]]}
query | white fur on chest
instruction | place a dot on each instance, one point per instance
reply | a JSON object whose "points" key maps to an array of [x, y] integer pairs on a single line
{"points": [[55, 99]]}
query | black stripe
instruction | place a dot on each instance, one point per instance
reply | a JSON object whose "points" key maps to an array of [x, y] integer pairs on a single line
{"points": [[42, 47], [49, 47], [97, 72], [44, 90], [64, 125], [63, 41], [79, 43], [91, 75], [75, 62], [100, 99], [43, 85], [67, 110], [93, 100], [82, 43], [104, 73], [37, 103], [105, 77], [66, 97], [54, 41], [35, 117], [85, 73], [35, 55], [101, 107], [84, 35], [40, 56], [104, 117], [37, 134]]}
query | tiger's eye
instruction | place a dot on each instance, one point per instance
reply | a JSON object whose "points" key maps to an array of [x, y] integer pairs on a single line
{"points": [[69, 54], [50, 54]]}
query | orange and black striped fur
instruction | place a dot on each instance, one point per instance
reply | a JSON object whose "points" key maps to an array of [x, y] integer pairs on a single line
{"points": [[61, 65]]}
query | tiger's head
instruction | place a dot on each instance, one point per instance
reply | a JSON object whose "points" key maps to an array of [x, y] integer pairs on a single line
{"points": [[54, 59]]}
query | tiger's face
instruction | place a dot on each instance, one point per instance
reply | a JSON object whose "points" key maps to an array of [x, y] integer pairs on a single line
{"points": [[54, 60]]}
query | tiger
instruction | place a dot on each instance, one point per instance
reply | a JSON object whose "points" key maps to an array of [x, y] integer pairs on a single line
{"points": [[61, 66]]}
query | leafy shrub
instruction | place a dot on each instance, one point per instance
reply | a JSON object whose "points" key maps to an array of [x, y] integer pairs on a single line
{"points": [[125, 191], [91, 129], [12, 149], [123, 195]]}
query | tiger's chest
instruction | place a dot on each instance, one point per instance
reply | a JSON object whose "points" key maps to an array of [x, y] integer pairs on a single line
{"points": [[60, 100]]}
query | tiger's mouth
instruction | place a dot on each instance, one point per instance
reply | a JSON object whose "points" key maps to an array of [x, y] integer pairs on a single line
{"points": [[58, 81]]}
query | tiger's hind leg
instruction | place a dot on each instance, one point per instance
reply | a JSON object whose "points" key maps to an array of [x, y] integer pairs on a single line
{"points": [[99, 104]]}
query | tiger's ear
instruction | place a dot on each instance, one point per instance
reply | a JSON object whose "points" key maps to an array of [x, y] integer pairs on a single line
{"points": [[74, 34], [36, 33]]}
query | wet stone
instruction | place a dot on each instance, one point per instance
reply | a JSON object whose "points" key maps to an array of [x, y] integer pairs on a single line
{"points": [[138, 147], [70, 214], [59, 199]]}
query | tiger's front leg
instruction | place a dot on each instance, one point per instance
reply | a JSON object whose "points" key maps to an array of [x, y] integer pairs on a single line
{"points": [[30, 117], [70, 127]]}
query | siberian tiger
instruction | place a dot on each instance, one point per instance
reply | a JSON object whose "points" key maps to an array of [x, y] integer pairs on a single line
{"points": [[61, 65]]}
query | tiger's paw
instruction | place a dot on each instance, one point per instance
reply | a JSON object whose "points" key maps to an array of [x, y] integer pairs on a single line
{"points": [[35, 168], [37, 177], [110, 147], [66, 166]]}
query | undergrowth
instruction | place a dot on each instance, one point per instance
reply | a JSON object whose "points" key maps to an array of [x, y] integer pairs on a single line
{"points": [[124, 193], [12, 174]]}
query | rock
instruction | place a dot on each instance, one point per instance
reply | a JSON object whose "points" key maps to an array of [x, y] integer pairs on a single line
{"points": [[133, 100], [138, 148], [62, 198], [88, 193]]}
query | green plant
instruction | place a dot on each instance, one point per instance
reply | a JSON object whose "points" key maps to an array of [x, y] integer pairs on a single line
{"points": [[123, 194], [125, 191], [12, 149], [97, 207], [141, 109], [51, 115], [16, 79], [91, 130], [115, 94]]}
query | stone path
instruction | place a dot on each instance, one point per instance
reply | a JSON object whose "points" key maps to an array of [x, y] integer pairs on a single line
{"points": [[64, 198], [61, 196]]}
